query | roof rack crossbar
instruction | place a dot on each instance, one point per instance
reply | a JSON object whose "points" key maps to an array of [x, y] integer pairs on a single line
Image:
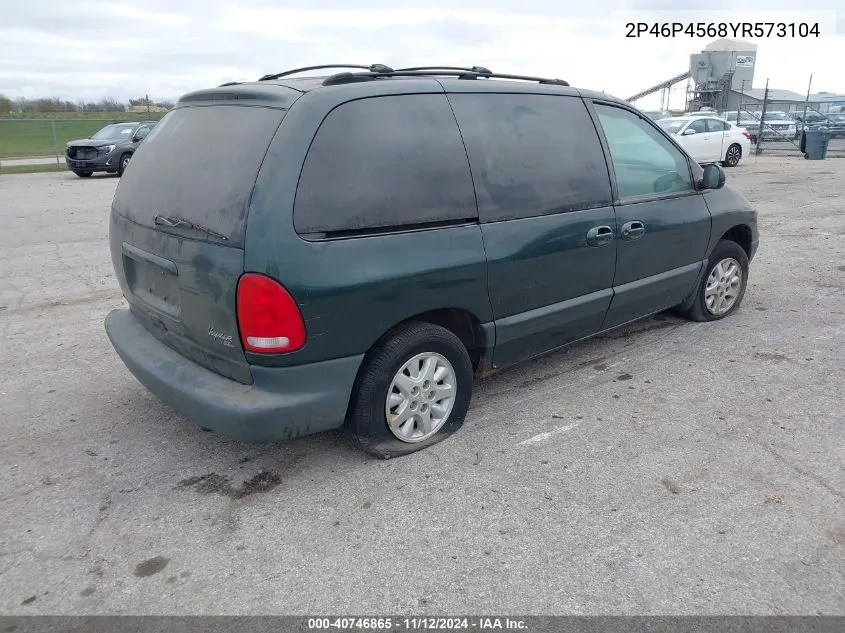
{"points": [[342, 78], [376, 68]]}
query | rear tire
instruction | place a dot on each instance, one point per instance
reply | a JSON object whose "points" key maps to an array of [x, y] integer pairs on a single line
{"points": [[83, 174], [123, 163], [425, 408], [732, 156], [722, 287]]}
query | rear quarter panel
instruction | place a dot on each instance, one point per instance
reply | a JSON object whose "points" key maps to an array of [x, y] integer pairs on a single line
{"points": [[352, 291]]}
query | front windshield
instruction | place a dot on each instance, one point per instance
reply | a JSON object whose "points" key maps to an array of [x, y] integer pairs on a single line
{"points": [[672, 126], [777, 116], [113, 132]]}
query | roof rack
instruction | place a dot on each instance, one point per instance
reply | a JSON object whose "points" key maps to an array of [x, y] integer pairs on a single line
{"points": [[474, 69], [343, 78], [374, 68]]}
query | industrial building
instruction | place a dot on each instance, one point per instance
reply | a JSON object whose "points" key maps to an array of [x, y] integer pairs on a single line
{"points": [[721, 78]]}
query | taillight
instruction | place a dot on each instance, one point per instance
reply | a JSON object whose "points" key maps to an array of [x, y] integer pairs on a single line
{"points": [[747, 135], [268, 318]]}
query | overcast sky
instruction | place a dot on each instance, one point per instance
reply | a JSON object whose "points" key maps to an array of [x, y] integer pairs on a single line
{"points": [[89, 49]]}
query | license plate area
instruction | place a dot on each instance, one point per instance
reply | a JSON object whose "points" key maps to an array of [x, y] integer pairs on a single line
{"points": [[152, 279], [79, 163]]}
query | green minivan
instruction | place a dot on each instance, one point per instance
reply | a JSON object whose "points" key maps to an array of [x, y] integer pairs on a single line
{"points": [[302, 253]]}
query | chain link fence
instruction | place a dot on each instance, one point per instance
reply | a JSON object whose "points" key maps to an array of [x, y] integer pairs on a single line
{"points": [[777, 125], [43, 141]]}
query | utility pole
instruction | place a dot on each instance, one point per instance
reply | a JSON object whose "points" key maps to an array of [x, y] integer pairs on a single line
{"points": [[741, 100], [758, 149], [147, 99], [807, 101]]}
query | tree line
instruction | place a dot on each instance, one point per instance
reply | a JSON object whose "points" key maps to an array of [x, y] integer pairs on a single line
{"points": [[52, 104]]}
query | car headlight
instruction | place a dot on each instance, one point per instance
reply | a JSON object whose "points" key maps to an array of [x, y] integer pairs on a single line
{"points": [[107, 149]]}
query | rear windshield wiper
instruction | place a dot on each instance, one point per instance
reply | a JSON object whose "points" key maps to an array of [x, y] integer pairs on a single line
{"points": [[175, 223]]}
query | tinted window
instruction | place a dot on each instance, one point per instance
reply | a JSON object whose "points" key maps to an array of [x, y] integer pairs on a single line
{"points": [[698, 125], [714, 125], [199, 164], [531, 154], [385, 162], [645, 162]]}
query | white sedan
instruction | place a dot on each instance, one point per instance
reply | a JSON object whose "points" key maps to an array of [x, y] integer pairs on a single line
{"points": [[709, 139]]}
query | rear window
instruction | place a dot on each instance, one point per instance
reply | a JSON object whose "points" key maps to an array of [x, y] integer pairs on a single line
{"points": [[672, 126], [382, 163], [199, 164]]}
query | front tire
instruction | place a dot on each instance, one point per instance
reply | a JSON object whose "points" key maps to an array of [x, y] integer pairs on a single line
{"points": [[123, 164], [413, 390], [722, 288], [732, 156]]}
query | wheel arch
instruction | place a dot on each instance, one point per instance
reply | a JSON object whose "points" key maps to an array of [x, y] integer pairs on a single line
{"points": [[461, 322], [741, 234]]}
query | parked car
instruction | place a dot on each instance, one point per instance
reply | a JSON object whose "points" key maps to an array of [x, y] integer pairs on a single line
{"points": [[836, 125], [708, 139], [354, 249], [811, 120], [777, 125], [109, 149], [656, 115], [745, 120]]}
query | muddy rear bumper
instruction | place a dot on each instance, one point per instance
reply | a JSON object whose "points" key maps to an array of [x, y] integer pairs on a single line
{"points": [[282, 403]]}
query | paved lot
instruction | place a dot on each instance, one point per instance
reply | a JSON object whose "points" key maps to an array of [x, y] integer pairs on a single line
{"points": [[672, 467]]}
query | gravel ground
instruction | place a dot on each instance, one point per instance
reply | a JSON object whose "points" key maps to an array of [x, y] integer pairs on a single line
{"points": [[671, 467]]}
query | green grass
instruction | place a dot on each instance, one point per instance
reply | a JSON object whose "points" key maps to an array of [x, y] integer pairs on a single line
{"points": [[31, 169], [25, 138]]}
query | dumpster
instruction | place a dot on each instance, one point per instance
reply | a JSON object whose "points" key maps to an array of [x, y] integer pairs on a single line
{"points": [[814, 144]]}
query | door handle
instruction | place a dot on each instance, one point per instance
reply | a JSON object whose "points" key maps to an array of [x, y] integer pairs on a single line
{"points": [[633, 230], [599, 236]]}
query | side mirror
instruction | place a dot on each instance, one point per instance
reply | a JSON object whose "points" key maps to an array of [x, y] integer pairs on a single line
{"points": [[688, 131], [713, 178]]}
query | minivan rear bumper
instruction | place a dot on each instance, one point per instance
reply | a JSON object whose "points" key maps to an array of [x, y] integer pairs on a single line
{"points": [[282, 403]]}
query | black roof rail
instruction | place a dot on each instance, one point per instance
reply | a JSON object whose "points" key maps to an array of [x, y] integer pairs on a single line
{"points": [[228, 83], [374, 68], [474, 69], [343, 78]]}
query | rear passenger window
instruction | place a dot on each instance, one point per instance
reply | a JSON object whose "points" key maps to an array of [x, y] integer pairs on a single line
{"points": [[385, 162], [716, 126], [532, 155]]}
